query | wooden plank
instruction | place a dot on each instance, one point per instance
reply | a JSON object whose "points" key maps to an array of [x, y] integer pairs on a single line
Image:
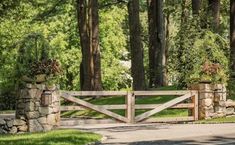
{"points": [[77, 121], [94, 107], [137, 106], [162, 107], [109, 107], [94, 93], [169, 119], [195, 110], [162, 93], [130, 105], [71, 108], [152, 106]]}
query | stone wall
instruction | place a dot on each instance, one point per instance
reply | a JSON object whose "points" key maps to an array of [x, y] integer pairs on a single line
{"points": [[37, 106], [13, 126], [230, 107], [213, 102]]}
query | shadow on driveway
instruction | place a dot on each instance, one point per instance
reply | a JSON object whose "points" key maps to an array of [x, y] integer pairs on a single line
{"points": [[215, 140]]}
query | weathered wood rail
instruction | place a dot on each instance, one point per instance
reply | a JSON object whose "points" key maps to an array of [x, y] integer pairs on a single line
{"points": [[130, 106]]}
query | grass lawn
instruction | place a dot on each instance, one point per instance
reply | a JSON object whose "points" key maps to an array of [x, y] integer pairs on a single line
{"points": [[218, 120], [121, 100], [56, 137]]}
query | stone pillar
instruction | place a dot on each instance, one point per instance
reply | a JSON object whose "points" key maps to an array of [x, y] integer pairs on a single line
{"points": [[40, 116], [212, 101], [220, 97]]}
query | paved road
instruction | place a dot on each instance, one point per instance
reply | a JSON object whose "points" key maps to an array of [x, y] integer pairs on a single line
{"points": [[164, 134]]}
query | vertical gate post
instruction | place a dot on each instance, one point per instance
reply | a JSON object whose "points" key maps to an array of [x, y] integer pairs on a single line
{"points": [[195, 102], [130, 107]]}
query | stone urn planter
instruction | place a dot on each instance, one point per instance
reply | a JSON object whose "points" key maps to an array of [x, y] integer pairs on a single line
{"points": [[38, 78]]}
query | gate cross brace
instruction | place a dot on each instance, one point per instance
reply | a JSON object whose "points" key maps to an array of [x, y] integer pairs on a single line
{"points": [[162, 107], [94, 107]]}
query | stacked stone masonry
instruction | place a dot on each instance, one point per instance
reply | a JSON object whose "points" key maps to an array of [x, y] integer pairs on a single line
{"points": [[32, 114], [12, 126], [213, 103]]}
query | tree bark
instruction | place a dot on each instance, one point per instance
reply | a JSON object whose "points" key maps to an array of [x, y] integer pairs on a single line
{"points": [[153, 46], [214, 11], [96, 79], [157, 51], [88, 22], [196, 5], [161, 80], [167, 45], [137, 65], [232, 35]]}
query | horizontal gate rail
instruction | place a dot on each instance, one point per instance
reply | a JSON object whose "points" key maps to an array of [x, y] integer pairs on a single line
{"points": [[169, 119], [137, 106], [162, 93], [95, 93]]}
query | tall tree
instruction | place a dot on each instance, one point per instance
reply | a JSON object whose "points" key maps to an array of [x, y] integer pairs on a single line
{"points": [[157, 49], [88, 23], [214, 12], [196, 4], [232, 34], [137, 65]]}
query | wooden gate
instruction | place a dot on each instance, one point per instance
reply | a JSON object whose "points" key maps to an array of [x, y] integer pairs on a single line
{"points": [[131, 107]]}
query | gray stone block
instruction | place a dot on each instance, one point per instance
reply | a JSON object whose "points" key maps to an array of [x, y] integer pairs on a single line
{"points": [[18, 122], [230, 111], [34, 126], [32, 115], [13, 130], [23, 128], [10, 123], [2, 122], [42, 120], [29, 106]]}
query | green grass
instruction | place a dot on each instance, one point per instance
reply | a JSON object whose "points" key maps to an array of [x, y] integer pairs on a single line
{"points": [[218, 120], [121, 100], [56, 137]]}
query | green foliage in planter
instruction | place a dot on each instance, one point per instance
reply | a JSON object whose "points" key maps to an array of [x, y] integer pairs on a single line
{"points": [[35, 57]]}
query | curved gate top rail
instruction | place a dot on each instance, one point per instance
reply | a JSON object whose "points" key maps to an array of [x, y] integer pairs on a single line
{"points": [[130, 105]]}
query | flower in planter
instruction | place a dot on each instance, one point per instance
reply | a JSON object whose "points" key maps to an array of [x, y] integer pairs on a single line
{"points": [[212, 72]]}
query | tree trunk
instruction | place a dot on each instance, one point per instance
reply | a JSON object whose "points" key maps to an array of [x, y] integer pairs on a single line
{"points": [[96, 78], [214, 11], [137, 65], [88, 22], [85, 77], [232, 34], [161, 42], [157, 51], [196, 4], [167, 32], [153, 46]]}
